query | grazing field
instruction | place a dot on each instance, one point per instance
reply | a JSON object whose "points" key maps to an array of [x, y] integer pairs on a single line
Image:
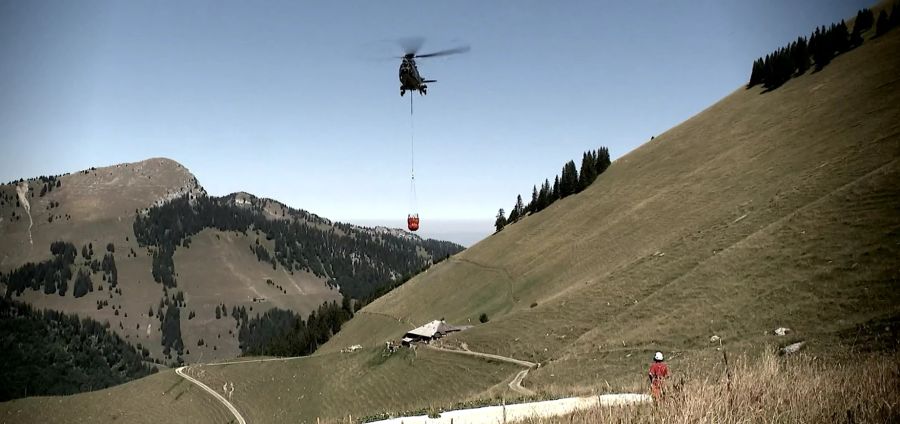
{"points": [[339, 385], [219, 268]]}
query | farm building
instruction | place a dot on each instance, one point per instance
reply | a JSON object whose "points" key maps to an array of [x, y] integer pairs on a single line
{"points": [[431, 331]]}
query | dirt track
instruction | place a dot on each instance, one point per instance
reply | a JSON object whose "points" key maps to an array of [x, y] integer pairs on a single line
{"points": [[487, 356], [220, 398]]}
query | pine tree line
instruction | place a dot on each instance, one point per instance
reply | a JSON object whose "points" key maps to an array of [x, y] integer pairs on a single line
{"points": [[51, 275], [886, 22], [283, 333], [819, 49], [570, 181]]}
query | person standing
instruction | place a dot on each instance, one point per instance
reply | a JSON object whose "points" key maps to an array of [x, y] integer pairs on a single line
{"points": [[659, 371]]}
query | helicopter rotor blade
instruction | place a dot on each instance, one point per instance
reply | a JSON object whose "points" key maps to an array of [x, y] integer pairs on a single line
{"points": [[457, 50], [411, 45]]}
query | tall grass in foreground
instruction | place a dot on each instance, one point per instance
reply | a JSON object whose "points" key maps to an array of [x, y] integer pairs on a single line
{"points": [[772, 389]]}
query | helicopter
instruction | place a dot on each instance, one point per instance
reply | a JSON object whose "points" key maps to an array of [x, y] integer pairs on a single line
{"points": [[410, 79]]}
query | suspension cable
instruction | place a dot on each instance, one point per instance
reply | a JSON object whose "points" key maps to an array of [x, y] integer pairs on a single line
{"points": [[412, 158]]}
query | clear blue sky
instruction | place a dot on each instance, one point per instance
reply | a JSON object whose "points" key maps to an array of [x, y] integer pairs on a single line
{"points": [[284, 100]]}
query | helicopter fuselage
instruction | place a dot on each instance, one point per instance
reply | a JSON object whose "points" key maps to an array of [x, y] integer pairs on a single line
{"points": [[410, 80]]}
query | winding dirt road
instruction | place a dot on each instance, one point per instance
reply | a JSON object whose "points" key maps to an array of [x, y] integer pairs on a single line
{"points": [[237, 415], [516, 383], [520, 362]]}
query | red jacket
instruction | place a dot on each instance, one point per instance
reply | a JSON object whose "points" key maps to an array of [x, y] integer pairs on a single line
{"points": [[658, 371]]}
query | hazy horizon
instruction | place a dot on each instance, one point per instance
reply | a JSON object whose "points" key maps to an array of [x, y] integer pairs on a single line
{"points": [[465, 232]]}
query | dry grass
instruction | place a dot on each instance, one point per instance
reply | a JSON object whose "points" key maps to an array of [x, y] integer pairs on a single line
{"points": [[772, 389]]}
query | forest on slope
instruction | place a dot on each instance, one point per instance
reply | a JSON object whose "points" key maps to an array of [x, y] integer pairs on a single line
{"points": [[358, 260], [45, 352]]}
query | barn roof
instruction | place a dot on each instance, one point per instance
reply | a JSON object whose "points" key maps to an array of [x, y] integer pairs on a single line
{"points": [[433, 328]]}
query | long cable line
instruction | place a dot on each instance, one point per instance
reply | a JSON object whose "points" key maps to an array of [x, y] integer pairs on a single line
{"points": [[413, 218]]}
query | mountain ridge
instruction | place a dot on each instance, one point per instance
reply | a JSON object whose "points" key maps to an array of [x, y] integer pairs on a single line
{"points": [[212, 267]]}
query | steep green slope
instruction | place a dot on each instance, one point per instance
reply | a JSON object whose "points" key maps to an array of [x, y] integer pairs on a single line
{"points": [[765, 210], [160, 398], [365, 382]]}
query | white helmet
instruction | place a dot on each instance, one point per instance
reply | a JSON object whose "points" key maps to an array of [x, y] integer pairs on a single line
{"points": [[658, 356]]}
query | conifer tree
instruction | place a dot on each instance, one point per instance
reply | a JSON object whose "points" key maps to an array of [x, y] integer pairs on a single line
{"points": [[863, 22], [841, 37], [543, 197], [554, 191], [800, 56], [883, 24], [62, 286], [603, 161], [513, 215], [547, 188], [500, 222], [568, 182], [824, 50], [520, 207], [756, 73], [588, 170], [83, 284]]}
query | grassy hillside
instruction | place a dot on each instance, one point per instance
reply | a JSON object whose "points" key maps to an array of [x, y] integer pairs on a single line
{"points": [[765, 210], [360, 383], [159, 398]]}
